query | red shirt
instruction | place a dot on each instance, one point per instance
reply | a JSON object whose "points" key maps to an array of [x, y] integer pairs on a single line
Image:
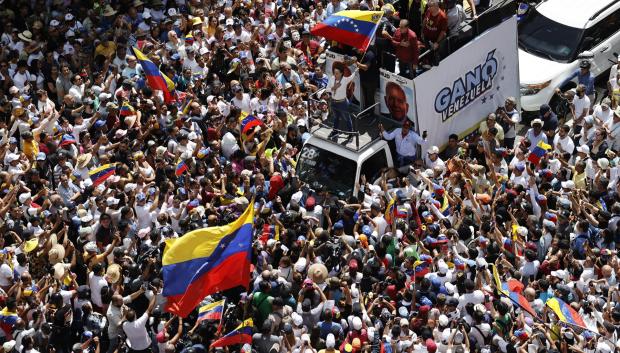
{"points": [[408, 54], [433, 26]]}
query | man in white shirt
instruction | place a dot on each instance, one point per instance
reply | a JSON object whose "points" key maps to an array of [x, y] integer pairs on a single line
{"points": [[138, 339], [21, 78], [562, 142], [146, 211], [77, 90], [602, 112], [96, 282], [613, 129], [581, 103], [406, 141], [241, 100], [115, 315]]}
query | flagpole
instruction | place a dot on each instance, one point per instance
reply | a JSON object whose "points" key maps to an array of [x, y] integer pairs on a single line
{"points": [[374, 33]]}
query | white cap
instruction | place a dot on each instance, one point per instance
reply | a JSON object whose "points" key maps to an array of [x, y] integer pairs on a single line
{"points": [[433, 150], [583, 149], [569, 184], [561, 274], [12, 157], [330, 341], [356, 323], [104, 95], [230, 22], [54, 23], [130, 187], [172, 12], [68, 17], [443, 267], [8, 346], [87, 218], [146, 14], [603, 163], [24, 197], [203, 51], [70, 33], [112, 201]]}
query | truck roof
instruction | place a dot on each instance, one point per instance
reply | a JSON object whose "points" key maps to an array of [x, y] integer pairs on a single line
{"points": [[367, 127]]}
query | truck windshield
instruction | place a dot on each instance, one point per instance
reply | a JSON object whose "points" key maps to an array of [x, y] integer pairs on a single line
{"points": [[546, 38], [318, 166]]}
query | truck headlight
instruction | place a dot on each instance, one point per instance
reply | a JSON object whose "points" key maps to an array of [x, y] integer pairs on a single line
{"points": [[528, 90]]}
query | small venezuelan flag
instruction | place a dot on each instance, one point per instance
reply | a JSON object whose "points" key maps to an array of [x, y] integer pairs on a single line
{"points": [[67, 139], [8, 319], [211, 311], [248, 124], [203, 152], [241, 335], [127, 109], [99, 175], [205, 261], [351, 27], [155, 78], [181, 168], [270, 231], [421, 268], [538, 152], [389, 212]]}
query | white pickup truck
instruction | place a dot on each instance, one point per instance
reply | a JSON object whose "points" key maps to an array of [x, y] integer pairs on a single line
{"points": [[337, 164]]}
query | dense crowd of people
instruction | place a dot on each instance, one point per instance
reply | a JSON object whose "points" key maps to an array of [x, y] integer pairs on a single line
{"points": [[412, 263]]}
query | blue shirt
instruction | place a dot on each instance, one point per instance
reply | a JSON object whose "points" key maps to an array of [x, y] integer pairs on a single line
{"points": [[586, 80]]}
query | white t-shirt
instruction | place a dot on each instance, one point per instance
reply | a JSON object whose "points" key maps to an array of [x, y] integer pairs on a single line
{"points": [[145, 216], [475, 297], [566, 143], [6, 275], [137, 337], [243, 103], [96, 283], [580, 105]]}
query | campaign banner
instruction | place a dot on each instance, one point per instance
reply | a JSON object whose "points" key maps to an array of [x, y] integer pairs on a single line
{"points": [[469, 84], [354, 89], [396, 97]]}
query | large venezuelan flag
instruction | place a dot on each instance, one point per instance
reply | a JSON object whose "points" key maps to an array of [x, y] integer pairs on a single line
{"points": [[565, 313], [242, 334], [352, 27], [205, 261], [211, 311], [156, 79], [99, 175]]}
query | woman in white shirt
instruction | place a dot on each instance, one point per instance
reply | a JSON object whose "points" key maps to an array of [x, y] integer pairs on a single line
{"points": [[337, 86]]}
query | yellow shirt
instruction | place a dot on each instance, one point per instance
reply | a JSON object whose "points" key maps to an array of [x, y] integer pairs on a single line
{"points": [[580, 180], [31, 149], [106, 51]]}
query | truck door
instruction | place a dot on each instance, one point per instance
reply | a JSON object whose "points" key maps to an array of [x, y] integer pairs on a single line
{"points": [[372, 166]]}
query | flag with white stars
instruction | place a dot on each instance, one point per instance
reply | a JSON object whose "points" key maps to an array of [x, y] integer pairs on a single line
{"points": [[355, 28]]}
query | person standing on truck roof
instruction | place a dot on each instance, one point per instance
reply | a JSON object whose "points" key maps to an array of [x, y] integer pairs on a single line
{"points": [[337, 86], [406, 141]]}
